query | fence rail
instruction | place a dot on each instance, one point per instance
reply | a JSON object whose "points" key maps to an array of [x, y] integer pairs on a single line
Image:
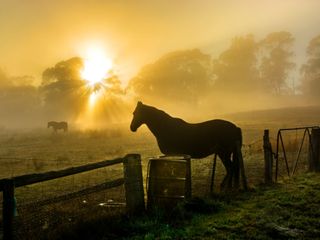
{"points": [[132, 180], [28, 179]]}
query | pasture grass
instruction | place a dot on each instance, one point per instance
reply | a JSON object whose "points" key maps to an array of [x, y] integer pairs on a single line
{"points": [[287, 210]]}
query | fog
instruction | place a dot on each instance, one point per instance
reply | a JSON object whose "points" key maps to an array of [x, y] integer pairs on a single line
{"points": [[195, 60]]}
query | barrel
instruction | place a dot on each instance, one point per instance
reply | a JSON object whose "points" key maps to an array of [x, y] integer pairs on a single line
{"points": [[168, 181]]}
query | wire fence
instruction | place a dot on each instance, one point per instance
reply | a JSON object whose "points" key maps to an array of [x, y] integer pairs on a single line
{"points": [[49, 203], [202, 170], [292, 157], [49, 220]]}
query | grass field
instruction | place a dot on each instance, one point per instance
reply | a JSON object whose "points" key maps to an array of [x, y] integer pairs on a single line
{"points": [[39, 150]]}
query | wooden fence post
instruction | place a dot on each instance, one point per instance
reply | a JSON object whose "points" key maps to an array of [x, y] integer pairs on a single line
{"points": [[314, 150], [8, 209], [133, 183], [268, 161]]}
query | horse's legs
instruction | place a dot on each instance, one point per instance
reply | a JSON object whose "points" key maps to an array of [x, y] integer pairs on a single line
{"points": [[236, 169], [213, 172], [226, 160]]}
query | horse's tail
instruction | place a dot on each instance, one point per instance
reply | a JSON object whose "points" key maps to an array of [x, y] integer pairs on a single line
{"points": [[235, 157], [237, 140], [239, 136]]}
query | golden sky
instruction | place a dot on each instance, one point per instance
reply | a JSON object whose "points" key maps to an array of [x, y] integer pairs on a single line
{"points": [[36, 34]]}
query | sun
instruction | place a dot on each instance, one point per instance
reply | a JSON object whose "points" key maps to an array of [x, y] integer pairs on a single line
{"points": [[96, 66]]}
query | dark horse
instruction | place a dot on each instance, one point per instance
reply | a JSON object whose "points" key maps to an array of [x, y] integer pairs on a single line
{"points": [[199, 140], [58, 125]]}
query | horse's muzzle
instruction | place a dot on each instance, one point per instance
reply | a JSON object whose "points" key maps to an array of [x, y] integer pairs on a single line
{"points": [[133, 129]]}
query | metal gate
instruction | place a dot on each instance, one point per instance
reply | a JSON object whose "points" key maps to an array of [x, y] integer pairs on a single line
{"points": [[281, 146]]}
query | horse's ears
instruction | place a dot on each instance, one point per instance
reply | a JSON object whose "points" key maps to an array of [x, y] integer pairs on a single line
{"points": [[139, 103]]}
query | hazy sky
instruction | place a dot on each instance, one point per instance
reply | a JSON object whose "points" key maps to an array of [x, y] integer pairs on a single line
{"points": [[36, 34]]}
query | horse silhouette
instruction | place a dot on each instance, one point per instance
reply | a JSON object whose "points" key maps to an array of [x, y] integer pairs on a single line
{"points": [[58, 125], [199, 140]]}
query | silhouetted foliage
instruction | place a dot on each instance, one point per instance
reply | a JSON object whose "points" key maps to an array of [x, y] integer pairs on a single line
{"points": [[310, 71], [113, 84], [18, 99], [276, 49], [181, 76], [11, 81], [63, 88], [66, 94], [68, 70], [236, 68]]}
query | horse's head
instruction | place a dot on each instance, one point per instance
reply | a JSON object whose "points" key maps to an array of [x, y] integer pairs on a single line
{"points": [[137, 119]]}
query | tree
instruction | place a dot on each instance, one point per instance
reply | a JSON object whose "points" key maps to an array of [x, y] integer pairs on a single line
{"points": [[68, 70], [310, 71], [63, 88], [19, 101], [181, 76], [67, 95], [113, 85], [276, 63], [236, 68]]}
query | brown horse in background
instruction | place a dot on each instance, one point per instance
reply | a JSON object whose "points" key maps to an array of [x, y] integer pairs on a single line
{"points": [[199, 140], [58, 125]]}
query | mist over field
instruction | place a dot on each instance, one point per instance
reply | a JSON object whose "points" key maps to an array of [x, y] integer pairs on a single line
{"points": [[201, 65], [189, 84], [83, 156]]}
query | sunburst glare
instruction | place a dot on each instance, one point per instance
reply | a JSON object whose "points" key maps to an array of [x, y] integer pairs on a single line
{"points": [[96, 66]]}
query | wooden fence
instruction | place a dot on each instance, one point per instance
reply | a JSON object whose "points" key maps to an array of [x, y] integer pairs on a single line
{"points": [[132, 180]]}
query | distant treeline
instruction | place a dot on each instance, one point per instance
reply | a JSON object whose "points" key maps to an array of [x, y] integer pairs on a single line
{"points": [[247, 67]]}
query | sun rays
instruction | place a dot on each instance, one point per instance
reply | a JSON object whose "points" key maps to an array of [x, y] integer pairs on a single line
{"points": [[97, 68]]}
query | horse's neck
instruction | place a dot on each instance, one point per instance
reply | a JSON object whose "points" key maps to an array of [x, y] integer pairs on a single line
{"points": [[159, 125], [154, 129]]}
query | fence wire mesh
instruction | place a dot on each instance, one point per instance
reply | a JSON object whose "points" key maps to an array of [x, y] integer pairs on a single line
{"points": [[43, 212]]}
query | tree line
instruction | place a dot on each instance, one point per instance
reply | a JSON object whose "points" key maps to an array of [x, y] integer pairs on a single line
{"points": [[248, 65], [187, 76]]}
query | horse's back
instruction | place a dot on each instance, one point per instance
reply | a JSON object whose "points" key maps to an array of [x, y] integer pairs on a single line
{"points": [[64, 126], [217, 124], [221, 131], [217, 127], [58, 125], [200, 139]]}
